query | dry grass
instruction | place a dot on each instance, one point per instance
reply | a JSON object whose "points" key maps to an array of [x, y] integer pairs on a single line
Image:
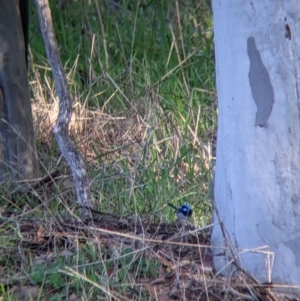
{"points": [[48, 251], [135, 147], [145, 121], [115, 258]]}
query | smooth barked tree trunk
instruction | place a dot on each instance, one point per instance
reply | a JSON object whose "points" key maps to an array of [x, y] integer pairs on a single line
{"points": [[17, 142], [257, 176]]}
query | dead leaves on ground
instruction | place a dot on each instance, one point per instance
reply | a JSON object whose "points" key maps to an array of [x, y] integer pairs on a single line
{"points": [[161, 261]]}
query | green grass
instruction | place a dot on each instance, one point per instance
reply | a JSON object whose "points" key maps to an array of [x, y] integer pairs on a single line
{"points": [[150, 61], [145, 125]]}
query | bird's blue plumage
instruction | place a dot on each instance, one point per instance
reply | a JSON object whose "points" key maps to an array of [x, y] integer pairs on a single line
{"points": [[183, 212]]}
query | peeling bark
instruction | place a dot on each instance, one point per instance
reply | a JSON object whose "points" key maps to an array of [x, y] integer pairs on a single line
{"points": [[257, 191]]}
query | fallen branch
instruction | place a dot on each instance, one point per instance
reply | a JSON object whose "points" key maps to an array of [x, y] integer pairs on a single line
{"points": [[61, 129]]}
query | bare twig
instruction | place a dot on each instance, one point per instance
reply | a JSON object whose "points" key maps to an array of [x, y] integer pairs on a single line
{"points": [[238, 264]]}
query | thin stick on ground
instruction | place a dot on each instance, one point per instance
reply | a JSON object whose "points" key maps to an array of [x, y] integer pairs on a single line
{"points": [[61, 129], [237, 263]]}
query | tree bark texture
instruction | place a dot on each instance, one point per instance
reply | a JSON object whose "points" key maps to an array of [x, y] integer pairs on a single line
{"points": [[61, 128], [257, 191], [17, 141]]}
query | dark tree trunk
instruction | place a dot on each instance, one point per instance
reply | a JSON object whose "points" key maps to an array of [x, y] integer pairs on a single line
{"points": [[23, 5], [17, 142]]}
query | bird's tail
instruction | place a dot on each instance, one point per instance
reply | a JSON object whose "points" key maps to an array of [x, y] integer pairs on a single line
{"points": [[171, 205]]}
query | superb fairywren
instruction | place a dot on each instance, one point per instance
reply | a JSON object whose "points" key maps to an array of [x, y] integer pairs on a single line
{"points": [[183, 212]]}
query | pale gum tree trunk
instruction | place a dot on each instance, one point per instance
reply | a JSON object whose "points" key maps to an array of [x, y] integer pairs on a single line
{"points": [[257, 177]]}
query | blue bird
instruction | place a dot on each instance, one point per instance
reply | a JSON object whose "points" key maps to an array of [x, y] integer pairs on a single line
{"points": [[183, 212]]}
